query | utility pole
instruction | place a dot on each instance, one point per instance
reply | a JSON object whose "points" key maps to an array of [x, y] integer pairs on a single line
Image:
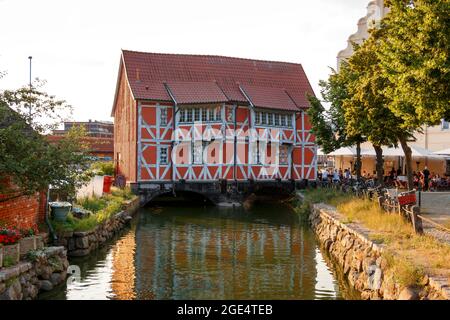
{"points": [[30, 57]]}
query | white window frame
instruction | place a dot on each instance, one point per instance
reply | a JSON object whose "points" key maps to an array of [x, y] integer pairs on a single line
{"points": [[163, 116], [163, 152]]}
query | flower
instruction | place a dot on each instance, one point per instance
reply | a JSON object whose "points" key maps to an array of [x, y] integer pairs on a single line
{"points": [[9, 236]]}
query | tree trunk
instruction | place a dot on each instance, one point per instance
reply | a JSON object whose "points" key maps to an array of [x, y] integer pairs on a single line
{"points": [[408, 162], [358, 161], [379, 165]]}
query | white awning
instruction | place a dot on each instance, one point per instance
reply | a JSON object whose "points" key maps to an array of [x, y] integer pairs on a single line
{"points": [[416, 152], [445, 152]]}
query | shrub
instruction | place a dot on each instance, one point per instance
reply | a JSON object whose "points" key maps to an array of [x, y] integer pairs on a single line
{"points": [[102, 209], [93, 204], [103, 168]]}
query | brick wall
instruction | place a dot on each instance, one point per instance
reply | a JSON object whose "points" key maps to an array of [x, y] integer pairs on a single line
{"points": [[22, 211]]}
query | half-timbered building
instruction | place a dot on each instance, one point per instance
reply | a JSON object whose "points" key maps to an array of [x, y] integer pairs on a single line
{"points": [[210, 122]]}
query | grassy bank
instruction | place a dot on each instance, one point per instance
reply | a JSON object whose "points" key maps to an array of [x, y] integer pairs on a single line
{"points": [[100, 210], [408, 255]]}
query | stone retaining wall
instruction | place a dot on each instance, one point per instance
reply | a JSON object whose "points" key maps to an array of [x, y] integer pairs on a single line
{"points": [[24, 281], [362, 261], [80, 244]]}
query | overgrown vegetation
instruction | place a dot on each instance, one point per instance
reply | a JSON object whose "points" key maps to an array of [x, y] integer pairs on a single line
{"points": [[101, 210], [103, 168], [408, 254]]}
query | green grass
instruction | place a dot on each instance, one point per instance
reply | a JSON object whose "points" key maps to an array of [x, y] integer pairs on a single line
{"points": [[409, 255], [102, 209]]}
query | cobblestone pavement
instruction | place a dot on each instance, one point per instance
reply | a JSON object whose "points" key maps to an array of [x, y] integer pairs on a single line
{"points": [[434, 231], [437, 233]]}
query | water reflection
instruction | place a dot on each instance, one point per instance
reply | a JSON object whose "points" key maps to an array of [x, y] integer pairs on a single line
{"points": [[209, 253]]}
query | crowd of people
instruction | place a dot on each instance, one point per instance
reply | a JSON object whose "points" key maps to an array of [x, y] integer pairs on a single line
{"points": [[423, 180]]}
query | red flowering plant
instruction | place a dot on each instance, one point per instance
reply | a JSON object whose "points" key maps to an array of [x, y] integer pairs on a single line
{"points": [[9, 236], [29, 232]]}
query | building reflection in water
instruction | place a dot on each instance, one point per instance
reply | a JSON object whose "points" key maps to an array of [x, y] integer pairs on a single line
{"points": [[123, 269], [221, 255]]}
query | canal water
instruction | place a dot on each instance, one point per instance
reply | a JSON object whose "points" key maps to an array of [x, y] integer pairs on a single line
{"points": [[266, 252]]}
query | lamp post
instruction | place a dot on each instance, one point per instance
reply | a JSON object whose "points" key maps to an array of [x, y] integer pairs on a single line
{"points": [[30, 58]]}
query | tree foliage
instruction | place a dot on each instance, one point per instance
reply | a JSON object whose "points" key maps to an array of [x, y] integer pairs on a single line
{"points": [[27, 159], [414, 53]]}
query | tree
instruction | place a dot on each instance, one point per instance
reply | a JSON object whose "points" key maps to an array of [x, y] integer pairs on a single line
{"points": [[335, 91], [321, 126], [414, 54], [26, 157], [366, 107]]}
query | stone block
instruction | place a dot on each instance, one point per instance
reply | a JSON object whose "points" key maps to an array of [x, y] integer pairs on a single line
{"points": [[27, 244], [45, 285], [408, 293], [79, 253], [82, 242]]}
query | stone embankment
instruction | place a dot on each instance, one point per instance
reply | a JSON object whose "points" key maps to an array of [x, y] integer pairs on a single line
{"points": [[363, 262], [46, 269], [81, 244]]}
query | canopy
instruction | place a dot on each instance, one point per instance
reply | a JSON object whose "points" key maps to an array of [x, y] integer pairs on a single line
{"points": [[351, 152], [445, 152], [345, 151], [417, 152], [320, 152]]}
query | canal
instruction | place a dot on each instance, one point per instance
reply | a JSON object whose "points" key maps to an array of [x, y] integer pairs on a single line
{"points": [[189, 252]]}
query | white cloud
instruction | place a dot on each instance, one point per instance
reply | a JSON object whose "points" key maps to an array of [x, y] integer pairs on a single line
{"points": [[76, 45]]}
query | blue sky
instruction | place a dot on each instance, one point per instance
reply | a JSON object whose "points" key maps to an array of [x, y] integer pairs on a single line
{"points": [[76, 44]]}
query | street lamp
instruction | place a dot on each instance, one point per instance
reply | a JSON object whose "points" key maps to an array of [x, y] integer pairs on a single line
{"points": [[29, 58]]}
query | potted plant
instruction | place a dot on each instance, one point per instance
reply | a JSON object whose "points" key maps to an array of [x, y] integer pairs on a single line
{"points": [[28, 240], [60, 210], [9, 238]]}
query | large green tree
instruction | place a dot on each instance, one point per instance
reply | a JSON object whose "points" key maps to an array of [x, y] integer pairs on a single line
{"points": [[330, 125], [366, 108], [414, 53], [27, 160]]}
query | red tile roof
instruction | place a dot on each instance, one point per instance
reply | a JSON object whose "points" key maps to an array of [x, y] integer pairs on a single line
{"points": [[267, 80], [196, 92], [265, 97]]}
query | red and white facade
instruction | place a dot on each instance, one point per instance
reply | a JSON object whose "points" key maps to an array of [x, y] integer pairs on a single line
{"points": [[207, 118]]}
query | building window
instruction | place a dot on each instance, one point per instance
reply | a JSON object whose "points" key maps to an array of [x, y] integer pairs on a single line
{"points": [[270, 119], [182, 115], [163, 116], [229, 114], [257, 118], [163, 155], [264, 118], [289, 120], [205, 113], [284, 154], [277, 120], [445, 125], [196, 114], [283, 120]]}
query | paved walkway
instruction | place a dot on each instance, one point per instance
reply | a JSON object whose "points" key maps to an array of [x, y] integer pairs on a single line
{"points": [[435, 202]]}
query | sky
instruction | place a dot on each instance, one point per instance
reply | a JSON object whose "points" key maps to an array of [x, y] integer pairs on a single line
{"points": [[76, 45]]}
